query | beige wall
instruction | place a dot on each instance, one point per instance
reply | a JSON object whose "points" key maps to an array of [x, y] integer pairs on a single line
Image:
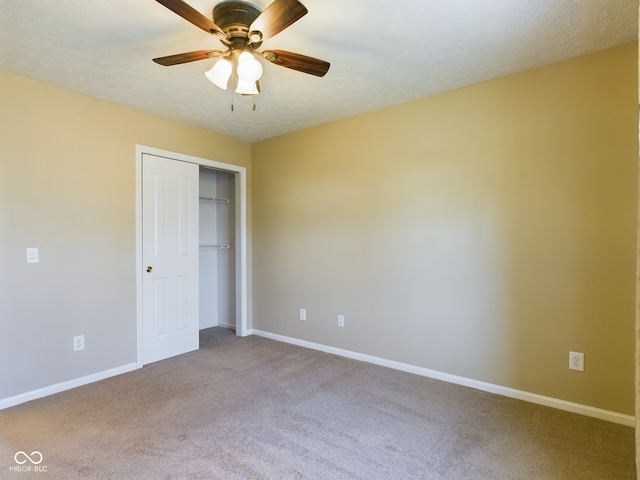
{"points": [[484, 232], [67, 180]]}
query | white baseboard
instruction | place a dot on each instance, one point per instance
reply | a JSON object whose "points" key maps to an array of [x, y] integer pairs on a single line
{"points": [[68, 385], [599, 413]]}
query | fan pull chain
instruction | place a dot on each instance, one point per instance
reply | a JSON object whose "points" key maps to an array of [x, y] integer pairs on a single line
{"points": [[233, 106]]}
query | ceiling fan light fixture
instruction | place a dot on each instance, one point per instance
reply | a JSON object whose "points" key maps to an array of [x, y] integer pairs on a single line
{"points": [[241, 27], [220, 73], [249, 69], [247, 87]]}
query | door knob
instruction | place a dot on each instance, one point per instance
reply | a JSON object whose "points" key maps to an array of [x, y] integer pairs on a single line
{"points": [[149, 269]]}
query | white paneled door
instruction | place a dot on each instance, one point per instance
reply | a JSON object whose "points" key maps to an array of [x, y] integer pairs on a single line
{"points": [[170, 257]]}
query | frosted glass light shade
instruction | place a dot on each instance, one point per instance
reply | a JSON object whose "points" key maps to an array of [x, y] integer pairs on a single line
{"points": [[247, 88], [249, 69], [244, 56], [220, 73]]}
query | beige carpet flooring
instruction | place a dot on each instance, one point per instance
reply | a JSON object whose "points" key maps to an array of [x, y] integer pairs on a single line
{"points": [[253, 408]]}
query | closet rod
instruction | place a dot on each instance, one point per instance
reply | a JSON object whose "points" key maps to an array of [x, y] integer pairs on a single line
{"points": [[216, 200]]}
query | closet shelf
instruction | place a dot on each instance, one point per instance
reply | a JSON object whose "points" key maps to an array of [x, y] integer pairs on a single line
{"points": [[217, 246]]}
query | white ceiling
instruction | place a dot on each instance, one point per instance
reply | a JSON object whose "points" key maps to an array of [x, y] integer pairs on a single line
{"points": [[382, 52]]}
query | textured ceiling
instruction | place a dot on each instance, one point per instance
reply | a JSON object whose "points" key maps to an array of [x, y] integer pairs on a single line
{"points": [[382, 52]]}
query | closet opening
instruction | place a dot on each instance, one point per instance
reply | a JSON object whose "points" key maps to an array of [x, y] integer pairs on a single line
{"points": [[217, 249]]}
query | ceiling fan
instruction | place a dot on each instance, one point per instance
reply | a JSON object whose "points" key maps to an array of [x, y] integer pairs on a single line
{"points": [[242, 27]]}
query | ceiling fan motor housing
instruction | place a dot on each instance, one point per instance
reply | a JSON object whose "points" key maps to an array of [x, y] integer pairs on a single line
{"points": [[234, 18]]}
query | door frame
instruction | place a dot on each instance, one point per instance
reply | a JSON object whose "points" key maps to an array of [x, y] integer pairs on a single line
{"points": [[241, 235]]}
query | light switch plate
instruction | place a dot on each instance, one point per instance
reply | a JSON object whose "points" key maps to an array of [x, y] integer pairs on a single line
{"points": [[33, 255]]}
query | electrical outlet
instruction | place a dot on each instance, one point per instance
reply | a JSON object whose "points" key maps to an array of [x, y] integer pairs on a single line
{"points": [[341, 320], [33, 255], [303, 314], [78, 343], [576, 361]]}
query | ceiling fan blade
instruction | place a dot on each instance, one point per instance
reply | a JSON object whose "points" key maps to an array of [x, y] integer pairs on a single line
{"points": [[192, 15], [186, 57], [295, 61], [278, 16]]}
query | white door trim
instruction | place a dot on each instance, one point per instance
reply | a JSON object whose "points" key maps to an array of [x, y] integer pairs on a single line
{"points": [[241, 235]]}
